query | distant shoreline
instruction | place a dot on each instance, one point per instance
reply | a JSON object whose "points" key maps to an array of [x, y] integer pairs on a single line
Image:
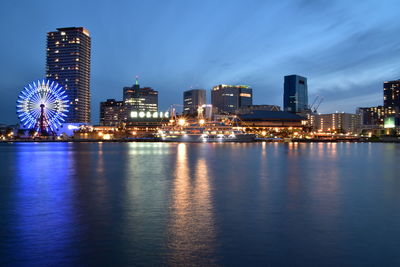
{"points": [[162, 141]]}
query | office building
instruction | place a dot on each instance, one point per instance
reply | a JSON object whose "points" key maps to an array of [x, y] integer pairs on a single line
{"points": [[112, 113], [68, 63], [192, 100], [295, 95], [226, 99], [336, 122], [137, 99]]}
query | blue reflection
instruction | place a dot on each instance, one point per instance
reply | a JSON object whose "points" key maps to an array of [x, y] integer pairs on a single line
{"points": [[44, 215]]}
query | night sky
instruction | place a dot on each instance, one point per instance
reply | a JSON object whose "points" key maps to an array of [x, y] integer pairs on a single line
{"points": [[346, 49]]}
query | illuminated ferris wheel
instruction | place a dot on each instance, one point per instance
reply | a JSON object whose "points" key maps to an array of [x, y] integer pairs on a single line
{"points": [[42, 106]]}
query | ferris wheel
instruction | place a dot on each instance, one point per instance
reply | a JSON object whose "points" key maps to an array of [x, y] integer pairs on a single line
{"points": [[42, 106]]}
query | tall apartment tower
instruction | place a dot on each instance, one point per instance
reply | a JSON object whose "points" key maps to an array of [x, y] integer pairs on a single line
{"points": [[192, 100], [295, 95], [391, 95], [229, 98], [68, 63]]}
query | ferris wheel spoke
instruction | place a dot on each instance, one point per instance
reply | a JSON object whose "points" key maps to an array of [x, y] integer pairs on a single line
{"points": [[29, 102]]}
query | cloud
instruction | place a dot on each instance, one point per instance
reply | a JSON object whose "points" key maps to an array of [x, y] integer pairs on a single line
{"points": [[345, 49]]}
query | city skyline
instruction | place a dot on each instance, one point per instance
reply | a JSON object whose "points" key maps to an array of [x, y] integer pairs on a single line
{"points": [[201, 54]]}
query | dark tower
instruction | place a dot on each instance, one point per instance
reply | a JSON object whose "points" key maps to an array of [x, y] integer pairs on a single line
{"points": [[295, 95]]}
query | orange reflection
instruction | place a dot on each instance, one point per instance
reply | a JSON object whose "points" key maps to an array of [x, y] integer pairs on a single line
{"points": [[191, 229]]}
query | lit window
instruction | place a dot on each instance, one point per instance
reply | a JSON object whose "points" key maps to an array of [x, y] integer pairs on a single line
{"points": [[245, 95]]}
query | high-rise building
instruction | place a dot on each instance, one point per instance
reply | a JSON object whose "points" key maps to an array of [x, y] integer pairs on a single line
{"points": [[391, 95], [295, 95], [228, 98], [68, 63], [137, 99], [192, 100], [111, 112]]}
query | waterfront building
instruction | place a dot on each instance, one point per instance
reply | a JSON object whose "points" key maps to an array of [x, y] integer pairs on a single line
{"points": [[336, 122], [192, 100], [295, 95], [226, 99], [68, 63], [262, 120], [112, 113], [374, 117], [251, 108], [137, 100], [382, 116]]}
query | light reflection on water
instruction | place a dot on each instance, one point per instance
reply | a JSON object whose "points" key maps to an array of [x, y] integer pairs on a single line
{"points": [[191, 229], [199, 204]]}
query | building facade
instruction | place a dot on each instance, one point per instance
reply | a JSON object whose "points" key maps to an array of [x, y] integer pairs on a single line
{"points": [[226, 99], [68, 63], [112, 113], [262, 119], [336, 122], [391, 95], [373, 117], [295, 95], [137, 99], [192, 100]]}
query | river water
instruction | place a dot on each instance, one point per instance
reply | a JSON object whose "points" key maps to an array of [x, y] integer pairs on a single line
{"points": [[253, 204]]}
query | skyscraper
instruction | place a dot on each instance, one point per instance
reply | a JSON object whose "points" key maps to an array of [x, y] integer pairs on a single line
{"points": [[138, 99], [391, 95], [68, 63], [192, 100], [228, 98], [295, 96]]}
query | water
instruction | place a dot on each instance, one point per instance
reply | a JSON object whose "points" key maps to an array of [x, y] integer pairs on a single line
{"points": [[109, 204]]}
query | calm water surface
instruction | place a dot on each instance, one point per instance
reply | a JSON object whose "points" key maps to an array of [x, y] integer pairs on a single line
{"points": [[108, 204]]}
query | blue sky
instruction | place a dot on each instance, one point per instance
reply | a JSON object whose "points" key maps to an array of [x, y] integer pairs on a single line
{"points": [[346, 49]]}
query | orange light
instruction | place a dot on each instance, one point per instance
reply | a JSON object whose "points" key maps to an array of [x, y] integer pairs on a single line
{"points": [[182, 122]]}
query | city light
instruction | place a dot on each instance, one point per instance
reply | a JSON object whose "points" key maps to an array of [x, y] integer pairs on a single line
{"points": [[182, 122]]}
